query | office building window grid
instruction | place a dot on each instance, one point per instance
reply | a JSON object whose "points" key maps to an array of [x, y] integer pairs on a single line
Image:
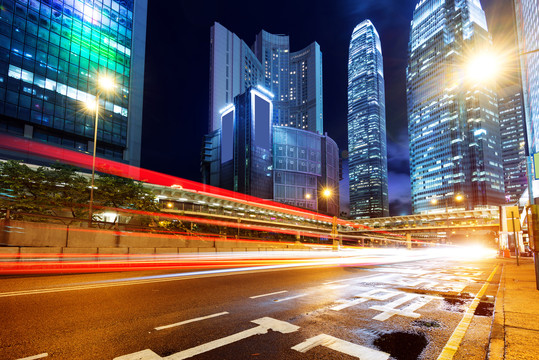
{"points": [[366, 125], [50, 55], [453, 123]]}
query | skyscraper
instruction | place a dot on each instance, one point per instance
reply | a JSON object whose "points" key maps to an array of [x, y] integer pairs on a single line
{"points": [[527, 16], [513, 142], [51, 53], [453, 121], [367, 125], [301, 161], [294, 78]]}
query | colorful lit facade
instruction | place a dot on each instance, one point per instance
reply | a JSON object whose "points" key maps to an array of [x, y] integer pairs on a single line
{"points": [[453, 120], [367, 150], [51, 53]]}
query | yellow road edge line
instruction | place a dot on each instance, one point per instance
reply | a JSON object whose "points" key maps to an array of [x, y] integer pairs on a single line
{"points": [[458, 334]]}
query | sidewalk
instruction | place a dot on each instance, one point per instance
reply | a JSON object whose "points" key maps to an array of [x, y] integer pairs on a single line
{"points": [[515, 329]]}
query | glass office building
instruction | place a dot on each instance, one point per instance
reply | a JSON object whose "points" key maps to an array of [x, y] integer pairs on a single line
{"points": [[513, 134], [527, 17], [288, 165], [367, 151], [294, 78], [51, 53], [293, 83], [453, 123], [304, 164]]}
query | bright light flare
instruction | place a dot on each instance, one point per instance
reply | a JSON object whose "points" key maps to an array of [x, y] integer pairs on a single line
{"points": [[106, 83], [91, 104], [327, 192], [484, 67], [466, 252]]}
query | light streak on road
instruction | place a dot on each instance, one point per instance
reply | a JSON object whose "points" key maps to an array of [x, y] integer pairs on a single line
{"points": [[80, 263]]}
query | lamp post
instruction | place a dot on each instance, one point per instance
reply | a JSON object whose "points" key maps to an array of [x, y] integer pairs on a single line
{"points": [[457, 198], [104, 84]]}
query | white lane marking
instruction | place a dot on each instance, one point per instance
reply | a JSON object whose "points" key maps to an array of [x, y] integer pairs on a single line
{"points": [[264, 324], [335, 287], [290, 298], [191, 320], [375, 294], [361, 352], [273, 293], [140, 355], [354, 278], [150, 280], [35, 357], [390, 309]]}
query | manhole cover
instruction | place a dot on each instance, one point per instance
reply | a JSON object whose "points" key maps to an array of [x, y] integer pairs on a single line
{"points": [[402, 345]]}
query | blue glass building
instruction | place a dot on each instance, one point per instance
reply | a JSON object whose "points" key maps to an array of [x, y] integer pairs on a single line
{"points": [[301, 160], [51, 52], [527, 17], [294, 78], [367, 151], [511, 112], [453, 123]]}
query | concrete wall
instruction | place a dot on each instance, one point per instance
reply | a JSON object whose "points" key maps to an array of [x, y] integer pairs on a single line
{"points": [[31, 237]]}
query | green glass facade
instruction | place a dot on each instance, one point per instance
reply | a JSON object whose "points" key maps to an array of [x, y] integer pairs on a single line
{"points": [[51, 53]]}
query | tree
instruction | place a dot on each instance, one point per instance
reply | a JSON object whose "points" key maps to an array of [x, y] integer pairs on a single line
{"points": [[59, 189], [23, 188], [119, 192]]}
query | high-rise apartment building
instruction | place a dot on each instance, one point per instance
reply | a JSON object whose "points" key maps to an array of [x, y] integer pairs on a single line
{"points": [[367, 149], [511, 114], [51, 53], [527, 18], [453, 121], [294, 78]]}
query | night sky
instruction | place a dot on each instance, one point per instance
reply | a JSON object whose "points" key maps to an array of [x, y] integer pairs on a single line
{"points": [[177, 70]]}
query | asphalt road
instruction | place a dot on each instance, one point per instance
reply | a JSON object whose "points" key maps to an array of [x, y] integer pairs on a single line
{"points": [[399, 311]]}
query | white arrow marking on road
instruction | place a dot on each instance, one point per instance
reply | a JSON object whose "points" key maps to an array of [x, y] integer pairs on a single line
{"points": [[264, 324], [35, 357], [191, 320], [273, 293], [369, 295], [361, 352], [390, 309]]}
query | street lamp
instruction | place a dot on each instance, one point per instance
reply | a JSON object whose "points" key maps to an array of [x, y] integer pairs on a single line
{"points": [[104, 84]]}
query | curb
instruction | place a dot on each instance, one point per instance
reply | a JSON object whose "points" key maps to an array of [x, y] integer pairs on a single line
{"points": [[496, 347]]}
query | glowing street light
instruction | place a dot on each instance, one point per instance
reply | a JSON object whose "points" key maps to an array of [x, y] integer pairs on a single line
{"points": [[326, 192], [104, 84]]}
